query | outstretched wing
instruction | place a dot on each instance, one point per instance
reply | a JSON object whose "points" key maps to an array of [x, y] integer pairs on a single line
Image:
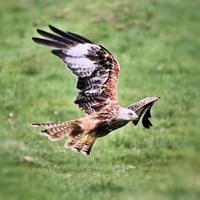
{"points": [[95, 67], [143, 109]]}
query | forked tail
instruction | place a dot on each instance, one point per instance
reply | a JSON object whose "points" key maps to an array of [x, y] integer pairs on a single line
{"points": [[57, 131], [78, 140]]}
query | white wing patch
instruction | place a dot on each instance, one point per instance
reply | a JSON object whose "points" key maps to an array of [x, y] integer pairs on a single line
{"points": [[77, 61], [80, 66], [81, 49]]}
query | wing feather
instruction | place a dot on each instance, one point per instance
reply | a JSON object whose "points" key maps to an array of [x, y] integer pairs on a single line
{"points": [[50, 43], [54, 37], [69, 35], [95, 67], [143, 110]]}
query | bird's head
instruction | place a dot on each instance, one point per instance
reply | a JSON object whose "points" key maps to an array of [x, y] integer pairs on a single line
{"points": [[126, 114]]}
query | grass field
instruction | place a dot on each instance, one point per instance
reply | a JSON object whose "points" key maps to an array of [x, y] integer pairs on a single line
{"points": [[157, 44]]}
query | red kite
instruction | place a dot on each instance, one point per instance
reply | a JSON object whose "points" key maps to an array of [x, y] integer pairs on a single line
{"points": [[97, 72]]}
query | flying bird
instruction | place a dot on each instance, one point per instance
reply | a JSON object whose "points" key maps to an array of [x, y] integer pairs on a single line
{"points": [[97, 74]]}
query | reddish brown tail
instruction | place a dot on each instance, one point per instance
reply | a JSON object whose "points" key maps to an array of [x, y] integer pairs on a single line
{"points": [[77, 141], [57, 131]]}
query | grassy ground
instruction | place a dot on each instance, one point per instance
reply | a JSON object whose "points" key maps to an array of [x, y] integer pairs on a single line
{"points": [[157, 43]]}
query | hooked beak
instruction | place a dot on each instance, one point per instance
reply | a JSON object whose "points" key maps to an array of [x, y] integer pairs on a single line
{"points": [[134, 117]]}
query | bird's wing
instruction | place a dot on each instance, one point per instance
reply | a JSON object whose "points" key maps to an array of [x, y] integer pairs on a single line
{"points": [[143, 109], [95, 67]]}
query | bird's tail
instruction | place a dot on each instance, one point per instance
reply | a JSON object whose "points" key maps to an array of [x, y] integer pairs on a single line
{"points": [[77, 141], [57, 131]]}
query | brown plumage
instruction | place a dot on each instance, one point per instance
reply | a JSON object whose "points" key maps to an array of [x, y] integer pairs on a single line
{"points": [[97, 72]]}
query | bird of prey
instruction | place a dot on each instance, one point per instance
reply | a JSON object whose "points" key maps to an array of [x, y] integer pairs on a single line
{"points": [[97, 72]]}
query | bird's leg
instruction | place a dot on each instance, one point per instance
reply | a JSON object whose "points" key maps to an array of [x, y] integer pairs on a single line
{"points": [[88, 143], [85, 144], [79, 144], [71, 141]]}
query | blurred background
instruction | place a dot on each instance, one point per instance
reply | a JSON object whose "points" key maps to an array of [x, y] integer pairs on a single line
{"points": [[157, 44]]}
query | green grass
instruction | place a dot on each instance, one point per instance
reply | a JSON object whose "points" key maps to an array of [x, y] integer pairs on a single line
{"points": [[157, 44]]}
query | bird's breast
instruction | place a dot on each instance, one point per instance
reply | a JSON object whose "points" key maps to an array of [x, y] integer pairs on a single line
{"points": [[105, 127]]}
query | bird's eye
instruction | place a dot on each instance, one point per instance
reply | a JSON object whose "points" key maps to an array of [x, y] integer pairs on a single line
{"points": [[130, 114]]}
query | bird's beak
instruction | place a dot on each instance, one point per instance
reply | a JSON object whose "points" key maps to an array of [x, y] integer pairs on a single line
{"points": [[134, 117]]}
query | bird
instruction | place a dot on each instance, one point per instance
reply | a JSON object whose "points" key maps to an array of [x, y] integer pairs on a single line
{"points": [[97, 73]]}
